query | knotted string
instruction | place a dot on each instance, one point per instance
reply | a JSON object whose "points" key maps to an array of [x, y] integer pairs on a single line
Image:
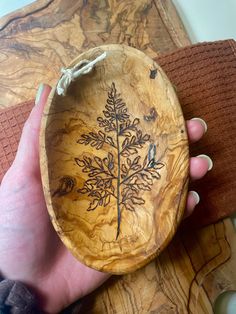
{"points": [[70, 74]]}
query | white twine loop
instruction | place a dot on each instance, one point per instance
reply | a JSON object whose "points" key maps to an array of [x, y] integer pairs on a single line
{"points": [[70, 74]]}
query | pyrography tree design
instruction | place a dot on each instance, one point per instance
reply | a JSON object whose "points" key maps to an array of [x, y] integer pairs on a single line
{"points": [[125, 177]]}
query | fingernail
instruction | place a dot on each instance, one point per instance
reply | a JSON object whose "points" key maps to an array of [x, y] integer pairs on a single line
{"points": [[196, 196], [203, 123], [209, 160], [39, 93]]}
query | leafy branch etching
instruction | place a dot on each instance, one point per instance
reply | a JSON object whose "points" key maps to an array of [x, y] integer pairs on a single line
{"points": [[124, 178]]}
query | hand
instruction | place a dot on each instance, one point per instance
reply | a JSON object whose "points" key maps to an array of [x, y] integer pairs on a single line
{"points": [[30, 249]]}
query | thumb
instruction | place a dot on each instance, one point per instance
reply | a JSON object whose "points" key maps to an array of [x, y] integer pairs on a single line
{"points": [[27, 156]]}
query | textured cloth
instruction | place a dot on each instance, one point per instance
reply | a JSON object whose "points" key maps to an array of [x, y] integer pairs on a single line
{"points": [[205, 79], [11, 123], [204, 76], [15, 298]]}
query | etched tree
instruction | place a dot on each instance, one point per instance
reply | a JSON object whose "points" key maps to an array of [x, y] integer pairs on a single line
{"points": [[121, 174]]}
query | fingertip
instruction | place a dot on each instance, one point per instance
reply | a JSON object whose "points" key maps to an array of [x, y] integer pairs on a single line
{"points": [[192, 200], [199, 166], [28, 145], [209, 161], [202, 122], [39, 93], [45, 93], [42, 95], [34, 118], [196, 128]]}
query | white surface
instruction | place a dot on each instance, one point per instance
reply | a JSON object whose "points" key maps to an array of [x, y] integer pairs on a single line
{"points": [[7, 6], [208, 20]]}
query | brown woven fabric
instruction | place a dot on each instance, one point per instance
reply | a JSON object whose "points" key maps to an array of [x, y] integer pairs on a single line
{"points": [[205, 79], [11, 124]]}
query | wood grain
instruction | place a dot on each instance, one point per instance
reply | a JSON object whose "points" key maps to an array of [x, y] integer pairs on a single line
{"points": [[35, 43], [114, 161], [186, 278], [38, 40]]}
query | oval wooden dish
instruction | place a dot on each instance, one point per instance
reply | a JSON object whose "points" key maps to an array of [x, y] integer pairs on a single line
{"points": [[114, 161]]}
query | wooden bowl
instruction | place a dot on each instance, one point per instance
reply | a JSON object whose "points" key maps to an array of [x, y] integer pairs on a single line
{"points": [[114, 161]]}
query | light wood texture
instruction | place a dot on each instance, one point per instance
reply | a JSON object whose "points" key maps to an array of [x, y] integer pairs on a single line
{"points": [[35, 43], [38, 40], [185, 279], [114, 161]]}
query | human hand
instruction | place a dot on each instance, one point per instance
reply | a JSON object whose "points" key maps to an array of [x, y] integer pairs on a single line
{"points": [[30, 249]]}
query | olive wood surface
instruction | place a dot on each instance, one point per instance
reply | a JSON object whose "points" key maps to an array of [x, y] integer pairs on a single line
{"points": [[114, 161], [186, 278], [39, 39], [35, 42]]}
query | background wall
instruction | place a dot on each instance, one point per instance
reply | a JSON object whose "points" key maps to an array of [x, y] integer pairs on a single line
{"points": [[208, 19], [7, 6]]}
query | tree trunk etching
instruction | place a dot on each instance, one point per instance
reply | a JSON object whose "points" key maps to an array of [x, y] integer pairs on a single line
{"points": [[118, 177]]}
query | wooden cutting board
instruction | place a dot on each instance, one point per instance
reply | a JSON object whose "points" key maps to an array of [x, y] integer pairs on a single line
{"points": [[38, 40], [186, 278], [35, 43]]}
